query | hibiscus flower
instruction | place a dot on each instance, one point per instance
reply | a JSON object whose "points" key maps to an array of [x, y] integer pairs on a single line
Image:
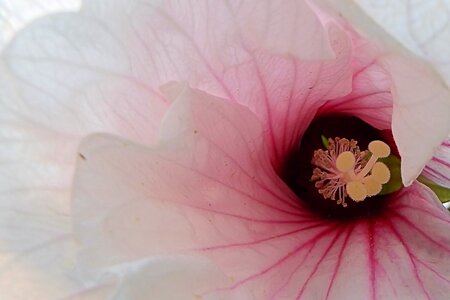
{"points": [[212, 118]]}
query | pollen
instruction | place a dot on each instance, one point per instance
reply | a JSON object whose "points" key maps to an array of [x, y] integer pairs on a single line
{"points": [[344, 171]]}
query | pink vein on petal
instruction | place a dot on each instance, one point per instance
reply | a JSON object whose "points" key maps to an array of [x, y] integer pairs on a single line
{"points": [[288, 108], [310, 276], [423, 211], [279, 222], [411, 256], [414, 226], [292, 232], [313, 240], [338, 261], [372, 253], [308, 251], [276, 156], [197, 49], [230, 187], [436, 159], [290, 203]]}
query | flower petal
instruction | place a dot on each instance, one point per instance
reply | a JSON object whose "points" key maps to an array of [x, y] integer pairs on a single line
{"points": [[420, 119], [52, 93], [16, 14], [185, 181], [35, 229], [101, 291], [165, 278], [257, 53], [290, 28], [370, 98], [422, 27], [211, 191], [286, 93], [438, 169], [74, 75], [421, 104]]}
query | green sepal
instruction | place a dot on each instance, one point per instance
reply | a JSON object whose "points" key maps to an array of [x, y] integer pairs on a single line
{"points": [[395, 183], [441, 192], [324, 141]]}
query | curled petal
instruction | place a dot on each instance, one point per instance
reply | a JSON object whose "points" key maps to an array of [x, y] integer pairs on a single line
{"points": [[421, 104], [188, 196], [420, 119], [211, 171]]}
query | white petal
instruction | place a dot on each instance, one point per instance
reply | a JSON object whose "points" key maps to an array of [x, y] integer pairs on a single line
{"points": [[420, 120], [56, 85], [169, 278], [422, 26], [15, 14]]}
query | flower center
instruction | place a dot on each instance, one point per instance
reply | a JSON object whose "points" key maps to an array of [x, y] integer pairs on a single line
{"points": [[343, 170], [347, 170]]}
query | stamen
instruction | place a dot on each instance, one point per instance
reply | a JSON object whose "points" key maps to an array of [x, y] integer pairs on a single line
{"points": [[343, 170], [356, 190], [345, 162], [379, 148], [372, 185], [381, 172]]}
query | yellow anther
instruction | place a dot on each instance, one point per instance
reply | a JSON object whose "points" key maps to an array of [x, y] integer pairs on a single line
{"points": [[345, 161], [381, 173], [373, 186], [379, 149], [356, 190], [343, 170]]}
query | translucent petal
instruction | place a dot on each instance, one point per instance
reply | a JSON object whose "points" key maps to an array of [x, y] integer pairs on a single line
{"points": [[260, 54], [188, 196], [72, 74], [14, 14], [422, 26], [167, 278], [52, 93], [207, 142]]}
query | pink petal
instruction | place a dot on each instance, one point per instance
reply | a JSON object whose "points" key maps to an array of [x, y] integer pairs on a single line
{"points": [[206, 152], [370, 98], [438, 169], [211, 191], [421, 103], [257, 53], [286, 93]]}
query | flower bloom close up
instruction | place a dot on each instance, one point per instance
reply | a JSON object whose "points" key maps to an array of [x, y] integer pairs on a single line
{"points": [[220, 150]]}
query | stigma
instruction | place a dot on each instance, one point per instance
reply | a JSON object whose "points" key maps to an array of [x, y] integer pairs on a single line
{"points": [[344, 171]]}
